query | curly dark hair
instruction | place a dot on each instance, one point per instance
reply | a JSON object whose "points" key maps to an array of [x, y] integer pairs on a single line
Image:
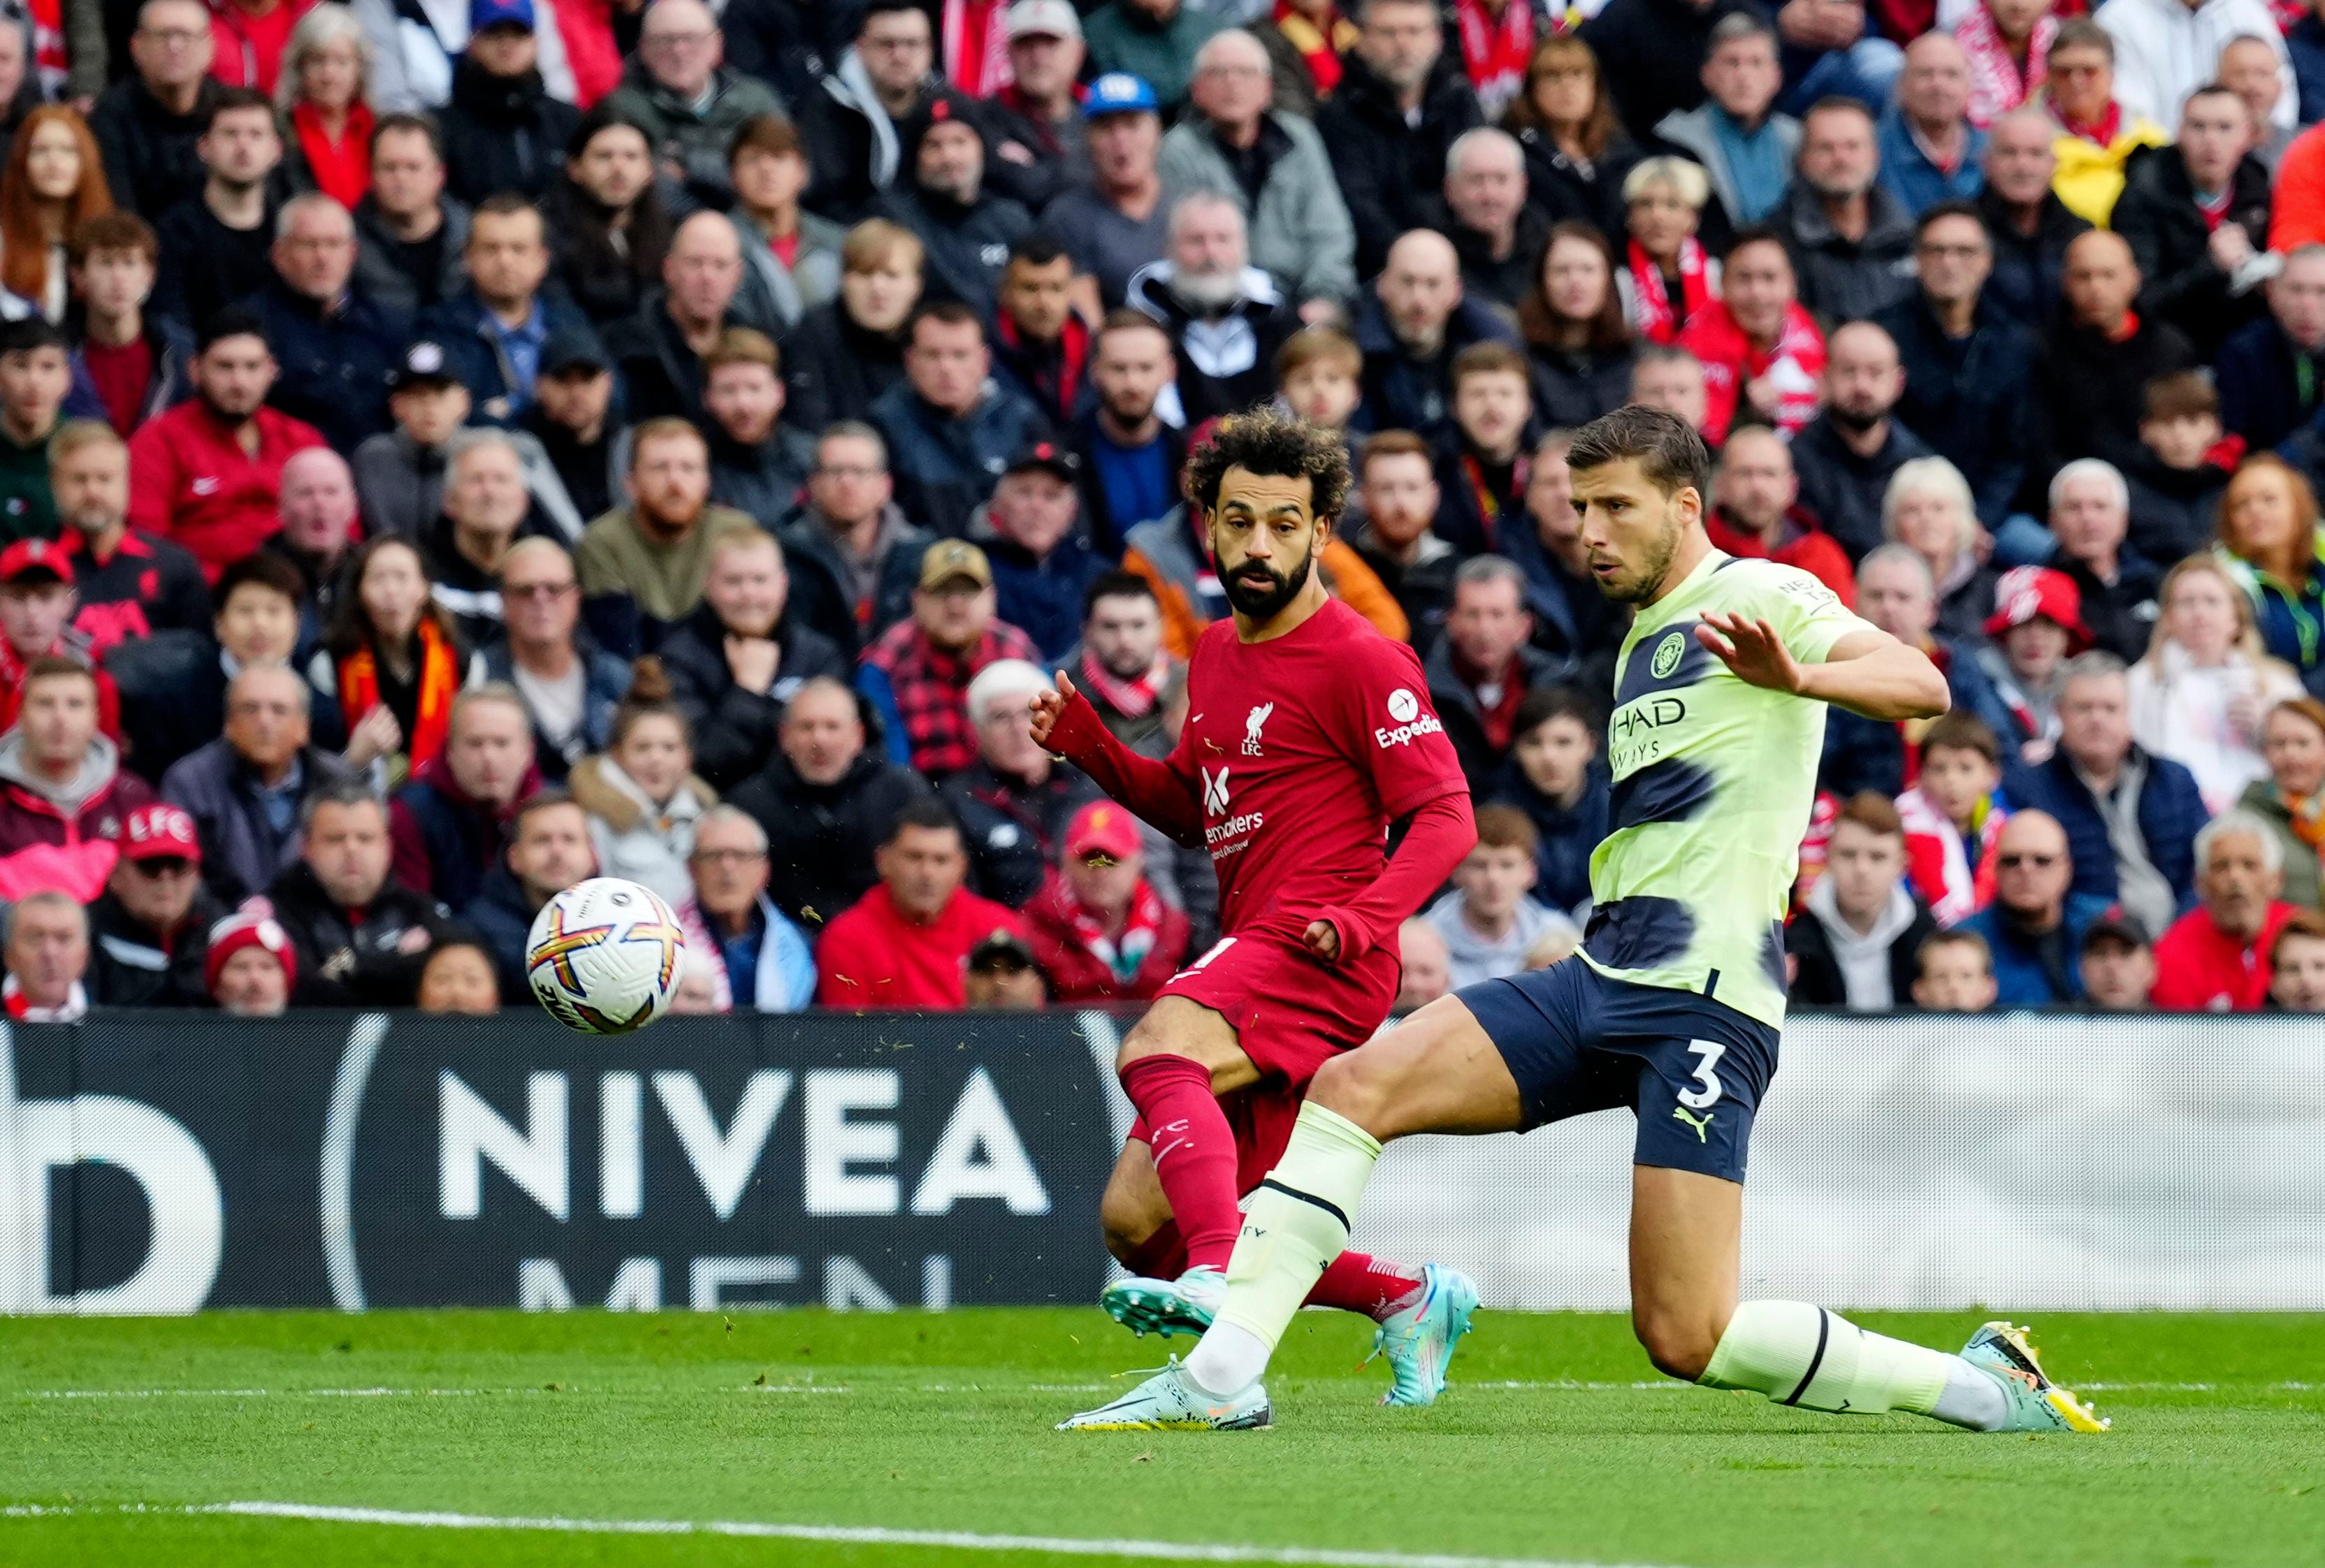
{"points": [[1261, 441]]}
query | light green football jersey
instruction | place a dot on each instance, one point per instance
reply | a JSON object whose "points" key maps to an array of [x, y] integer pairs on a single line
{"points": [[1713, 784]]}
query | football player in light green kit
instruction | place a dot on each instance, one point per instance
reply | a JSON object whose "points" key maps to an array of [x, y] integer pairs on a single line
{"points": [[1672, 1007]]}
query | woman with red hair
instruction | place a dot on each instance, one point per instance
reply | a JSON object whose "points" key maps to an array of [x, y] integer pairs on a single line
{"points": [[54, 181]]}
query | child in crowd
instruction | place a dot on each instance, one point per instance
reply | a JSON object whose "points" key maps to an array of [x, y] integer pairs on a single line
{"points": [[1491, 918], [2036, 626], [1957, 974], [2177, 484], [1953, 818], [458, 977], [642, 795], [1554, 777]]}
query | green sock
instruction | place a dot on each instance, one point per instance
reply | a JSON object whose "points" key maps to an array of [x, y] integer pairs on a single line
{"points": [[1297, 1222], [1802, 1355]]}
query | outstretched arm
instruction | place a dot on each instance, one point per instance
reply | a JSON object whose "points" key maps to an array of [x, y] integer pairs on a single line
{"points": [[1439, 833], [1867, 671], [1064, 722]]}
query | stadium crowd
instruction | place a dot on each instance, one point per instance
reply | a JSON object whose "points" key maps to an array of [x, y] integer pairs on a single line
{"points": [[451, 449]]}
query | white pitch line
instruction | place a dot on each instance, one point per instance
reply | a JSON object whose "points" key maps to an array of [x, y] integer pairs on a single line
{"points": [[840, 1534]]}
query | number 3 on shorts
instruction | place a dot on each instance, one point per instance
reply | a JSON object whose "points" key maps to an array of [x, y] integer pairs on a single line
{"points": [[1226, 942], [1706, 1073]]}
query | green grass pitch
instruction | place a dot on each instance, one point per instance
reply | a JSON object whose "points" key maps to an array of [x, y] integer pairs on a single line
{"points": [[1555, 1443]]}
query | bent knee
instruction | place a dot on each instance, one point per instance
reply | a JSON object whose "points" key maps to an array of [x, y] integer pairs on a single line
{"points": [[1680, 1344], [1352, 1087]]}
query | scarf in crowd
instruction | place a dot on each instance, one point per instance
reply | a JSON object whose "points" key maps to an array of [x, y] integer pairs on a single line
{"points": [[976, 46], [75, 1005], [342, 169], [439, 682], [50, 56], [1488, 504], [1132, 699], [1495, 53], [1320, 48], [2308, 814], [1996, 85], [1122, 954], [1658, 322], [2100, 133]]}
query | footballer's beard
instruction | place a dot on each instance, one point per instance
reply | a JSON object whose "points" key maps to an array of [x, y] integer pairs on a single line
{"points": [[1639, 586], [1262, 604]]}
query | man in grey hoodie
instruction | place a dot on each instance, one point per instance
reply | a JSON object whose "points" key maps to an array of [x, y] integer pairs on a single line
{"points": [[1857, 942]]}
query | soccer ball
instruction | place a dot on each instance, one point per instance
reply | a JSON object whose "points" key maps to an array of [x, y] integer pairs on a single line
{"points": [[603, 957]]}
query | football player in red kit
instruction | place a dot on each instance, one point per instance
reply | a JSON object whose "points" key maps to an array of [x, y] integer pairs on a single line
{"points": [[1309, 734]]}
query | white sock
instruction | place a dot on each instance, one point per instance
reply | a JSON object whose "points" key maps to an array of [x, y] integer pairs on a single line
{"points": [[1814, 1360], [1971, 1398], [1226, 1360]]}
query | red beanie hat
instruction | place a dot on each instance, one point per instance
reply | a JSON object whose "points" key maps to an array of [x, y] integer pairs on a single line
{"points": [[247, 929]]}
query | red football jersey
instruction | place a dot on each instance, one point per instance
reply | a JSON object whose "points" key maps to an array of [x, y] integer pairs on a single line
{"points": [[1302, 750]]}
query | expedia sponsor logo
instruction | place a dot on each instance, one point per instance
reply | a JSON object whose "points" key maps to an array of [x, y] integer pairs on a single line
{"points": [[1404, 734]]}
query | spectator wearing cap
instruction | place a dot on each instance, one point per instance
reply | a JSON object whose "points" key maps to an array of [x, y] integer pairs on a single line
{"points": [[497, 327], [1858, 941], [47, 954], [35, 377], [1041, 347], [916, 677], [2131, 816], [740, 657], [791, 256], [1273, 166], [2203, 693], [659, 349], [654, 552], [679, 88], [362, 937], [1016, 801], [502, 130], [550, 850], [905, 943], [410, 237], [335, 344], [824, 801], [2216, 956], [571, 418], [1004, 977], [150, 929], [942, 197], [128, 583], [2089, 516], [1154, 40], [2117, 966], [1042, 568], [244, 793], [399, 473], [2034, 927], [2036, 626], [451, 824], [214, 242], [851, 526], [951, 430], [2297, 966], [1097, 927], [1118, 221], [148, 121], [250, 965], [66, 793], [37, 603], [759, 464], [606, 218], [1035, 117], [136, 358], [763, 963], [207, 474]]}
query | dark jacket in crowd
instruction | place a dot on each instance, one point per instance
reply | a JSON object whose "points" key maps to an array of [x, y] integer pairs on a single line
{"points": [[604, 680], [848, 169], [1060, 149], [1389, 170], [608, 280], [2170, 810], [204, 266], [1844, 490], [1589, 192], [1570, 390], [501, 133], [1013, 830], [2174, 512], [150, 161], [174, 700], [355, 958], [822, 596], [1103, 528], [661, 374], [968, 242], [333, 363], [765, 480], [445, 841], [2180, 283], [1869, 753], [2263, 397], [1465, 724], [1041, 596], [2120, 615], [834, 368], [1817, 979], [694, 137], [1841, 279], [734, 728], [2024, 285], [1402, 393], [381, 267], [820, 838], [242, 852], [1225, 363], [2087, 395], [1651, 53], [1572, 620], [2043, 971], [129, 966], [1501, 281], [501, 915], [1423, 587], [473, 350], [1966, 397], [1564, 836], [945, 467]]}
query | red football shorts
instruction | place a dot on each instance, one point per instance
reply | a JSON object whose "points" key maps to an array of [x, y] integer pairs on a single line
{"points": [[1292, 1014]]}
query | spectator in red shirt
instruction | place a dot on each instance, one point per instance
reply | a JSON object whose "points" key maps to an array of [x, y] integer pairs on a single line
{"points": [[131, 585], [208, 473], [1763, 356], [1100, 929], [2216, 956], [138, 361], [249, 37], [1759, 515], [37, 599], [906, 943]]}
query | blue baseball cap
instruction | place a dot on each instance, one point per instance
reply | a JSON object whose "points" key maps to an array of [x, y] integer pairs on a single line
{"points": [[1118, 92], [483, 13]]}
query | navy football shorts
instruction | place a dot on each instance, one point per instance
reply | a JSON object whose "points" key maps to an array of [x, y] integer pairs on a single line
{"points": [[1692, 1070]]}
